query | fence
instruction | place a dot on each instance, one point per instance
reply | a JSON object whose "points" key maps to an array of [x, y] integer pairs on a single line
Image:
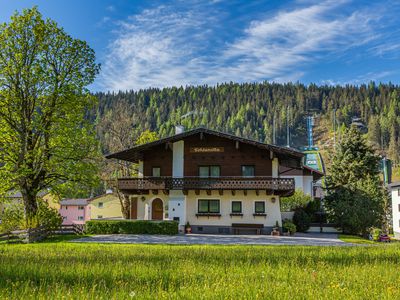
{"points": [[71, 229], [32, 235], [29, 235]]}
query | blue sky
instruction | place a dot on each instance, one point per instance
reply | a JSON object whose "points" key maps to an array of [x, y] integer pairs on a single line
{"points": [[144, 44]]}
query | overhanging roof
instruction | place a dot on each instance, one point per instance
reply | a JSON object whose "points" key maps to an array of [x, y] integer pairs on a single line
{"points": [[80, 202], [134, 154], [394, 185]]}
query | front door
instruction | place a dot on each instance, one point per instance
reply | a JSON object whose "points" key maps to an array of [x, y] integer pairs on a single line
{"points": [[157, 209], [134, 208]]}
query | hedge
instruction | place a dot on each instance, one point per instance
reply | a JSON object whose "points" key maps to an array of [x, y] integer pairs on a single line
{"points": [[131, 226]]}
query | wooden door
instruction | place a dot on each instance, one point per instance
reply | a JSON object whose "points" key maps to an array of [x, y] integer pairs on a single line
{"points": [[157, 209], [134, 208]]}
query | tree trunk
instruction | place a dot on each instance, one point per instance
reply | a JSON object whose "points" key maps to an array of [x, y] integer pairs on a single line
{"points": [[125, 204], [30, 205]]}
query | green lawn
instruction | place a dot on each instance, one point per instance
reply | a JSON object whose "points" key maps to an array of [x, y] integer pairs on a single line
{"points": [[64, 270], [354, 239]]}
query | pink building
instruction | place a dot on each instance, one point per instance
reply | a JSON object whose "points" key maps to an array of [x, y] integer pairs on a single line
{"points": [[74, 211]]}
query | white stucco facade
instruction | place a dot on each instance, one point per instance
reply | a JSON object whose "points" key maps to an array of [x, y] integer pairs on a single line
{"points": [[305, 183], [185, 207], [395, 193]]}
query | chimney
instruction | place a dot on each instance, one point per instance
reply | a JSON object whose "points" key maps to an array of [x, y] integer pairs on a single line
{"points": [[179, 129]]}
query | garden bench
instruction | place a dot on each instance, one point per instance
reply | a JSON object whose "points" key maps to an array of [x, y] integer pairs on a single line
{"points": [[243, 226]]}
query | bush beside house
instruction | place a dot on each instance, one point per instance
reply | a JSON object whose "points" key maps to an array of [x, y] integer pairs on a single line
{"points": [[131, 227], [302, 220]]}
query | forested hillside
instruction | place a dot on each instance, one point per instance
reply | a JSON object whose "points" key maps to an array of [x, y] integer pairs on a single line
{"points": [[250, 110]]}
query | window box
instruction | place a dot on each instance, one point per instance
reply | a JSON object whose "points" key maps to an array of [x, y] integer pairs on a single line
{"points": [[259, 214], [208, 215], [236, 214]]}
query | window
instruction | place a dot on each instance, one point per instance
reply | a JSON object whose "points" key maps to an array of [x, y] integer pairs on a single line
{"points": [[247, 171], [81, 207], [398, 192], [100, 205], [399, 207], [209, 171], [99, 217], [156, 172], [66, 206], [80, 218], [236, 207], [208, 206], [259, 207]]}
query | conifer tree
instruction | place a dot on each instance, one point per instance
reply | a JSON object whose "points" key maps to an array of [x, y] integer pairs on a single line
{"points": [[355, 200]]}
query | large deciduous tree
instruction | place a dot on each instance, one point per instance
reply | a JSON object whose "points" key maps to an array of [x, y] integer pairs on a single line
{"points": [[45, 140], [356, 198]]}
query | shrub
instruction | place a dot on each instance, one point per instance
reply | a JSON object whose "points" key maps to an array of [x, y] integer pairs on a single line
{"points": [[48, 217], [296, 200], [289, 226], [313, 209], [132, 227], [302, 220], [13, 217]]}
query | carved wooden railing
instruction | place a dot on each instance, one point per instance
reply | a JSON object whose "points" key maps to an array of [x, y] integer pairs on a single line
{"points": [[211, 183]]}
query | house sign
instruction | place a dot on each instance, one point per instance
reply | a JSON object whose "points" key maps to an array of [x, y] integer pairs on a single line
{"points": [[206, 149]]}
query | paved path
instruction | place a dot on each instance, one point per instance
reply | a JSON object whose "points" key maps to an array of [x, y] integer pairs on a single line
{"points": [[203, 239]]}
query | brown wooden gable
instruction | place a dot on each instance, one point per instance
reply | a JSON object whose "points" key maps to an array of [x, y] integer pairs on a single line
{"points": [[158, 156], [206, 149], [137, 153]]}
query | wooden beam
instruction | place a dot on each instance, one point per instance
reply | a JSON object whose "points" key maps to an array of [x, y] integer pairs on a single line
{"points": [[257, 192], [197, 192], [155, 192], [233, 192], [221, 192], [208, 192], [166, 192], [185, 192], [245, 192]]}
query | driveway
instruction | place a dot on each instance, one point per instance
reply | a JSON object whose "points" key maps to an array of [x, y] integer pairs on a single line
{"points": [[312, 239]]}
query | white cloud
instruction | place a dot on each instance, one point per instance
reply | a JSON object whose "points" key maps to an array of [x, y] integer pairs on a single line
{"points": [[172, 46], [362, 78], [110, 8]]}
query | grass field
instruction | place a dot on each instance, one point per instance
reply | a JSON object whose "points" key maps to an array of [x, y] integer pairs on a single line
{"points": [[65, 270]]}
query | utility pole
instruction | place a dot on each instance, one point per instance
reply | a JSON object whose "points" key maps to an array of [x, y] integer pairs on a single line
{"points": [[288, 128], [334, 128], [273, 131]]}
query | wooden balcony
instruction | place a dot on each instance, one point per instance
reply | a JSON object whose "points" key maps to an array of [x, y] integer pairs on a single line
{"points": [[276, 186]]}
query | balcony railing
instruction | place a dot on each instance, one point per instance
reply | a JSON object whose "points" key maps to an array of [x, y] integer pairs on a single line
{"points": [[210, 183]]}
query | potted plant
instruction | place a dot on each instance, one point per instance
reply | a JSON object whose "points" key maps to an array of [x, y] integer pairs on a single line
{"points": [[188, 228], [275, 230]]}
